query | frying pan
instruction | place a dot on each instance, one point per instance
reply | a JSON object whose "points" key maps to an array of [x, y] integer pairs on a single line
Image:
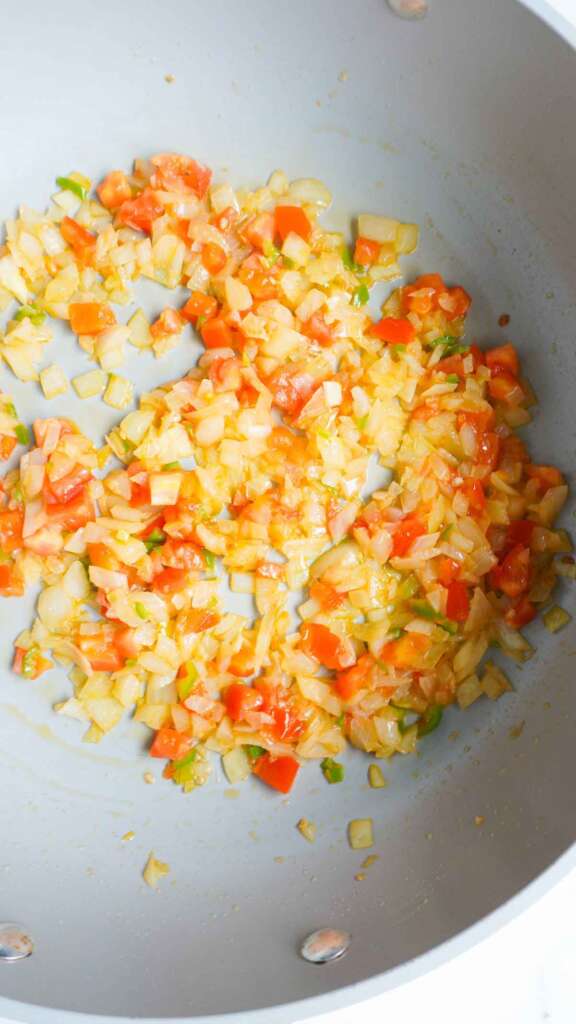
{"points": [[463, 122]]}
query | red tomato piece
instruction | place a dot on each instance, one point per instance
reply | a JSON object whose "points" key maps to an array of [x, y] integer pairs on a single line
{"points": [[457, 601], [406, 652], [177, 173], [68, 487], [114, 190], [199, 305], [259, 231], [277, 772], [474, 491], [405, 534], [505, 388], [291, 389], [455, 302], [521, 613], [141, 212], [366, 251], [348, 683], [217, 334], [170, 744], [214, 257], [503, 359], [170, 580], [520, 532], [330, 650], [317, 329], [11, 582], [290, 219], [240, 699], [393, 330], [179, 554], [488, 452], [512, 576], [448, 570], [79, 239], [73, 514]]}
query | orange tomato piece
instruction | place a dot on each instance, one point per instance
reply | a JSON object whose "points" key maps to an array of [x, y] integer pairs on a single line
{"points": [[100, 651], [90, 317], [170, 744], [520, 613], [326, 596], [11, 581], [11, 522], [473, 490], [240, 699], [259, 230], [292, 219], [406, 532], [393, 330], [348, 683], [513, 575], [79, 239], [455, 302], [277, 772], [214, 257], [505, 388], [331, 650], [198, 620], [366, 251], [547, 476], [169, 322], [317, 329], [406, 652], [448, 570], [170, 580], [114, 190], [217, 334], [176, 173], [141, 212], [503, 359], [199, 305], [7, 446]]}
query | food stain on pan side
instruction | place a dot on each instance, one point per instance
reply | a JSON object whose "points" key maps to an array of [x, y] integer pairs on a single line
{"points": [[46, 733]]}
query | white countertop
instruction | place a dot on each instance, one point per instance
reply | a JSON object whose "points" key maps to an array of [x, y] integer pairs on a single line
{"points": [[524, 974]]}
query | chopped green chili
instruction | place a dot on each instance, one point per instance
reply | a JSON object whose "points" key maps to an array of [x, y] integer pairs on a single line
{"points": [[430, 720], [32, 312], [22, 434], [360, 295], [69, 185], [332, 771]]}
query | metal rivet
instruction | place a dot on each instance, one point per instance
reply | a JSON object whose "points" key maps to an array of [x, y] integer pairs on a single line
{"points": [[410, 9], [325, 945], [15, 944]]}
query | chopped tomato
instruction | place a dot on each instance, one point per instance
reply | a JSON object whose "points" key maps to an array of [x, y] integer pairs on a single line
{"points": [[198, 620], [169, 580], [326, 596], [521, 613], [114, 190], [177, 173], [520, 532], [394, 330], [405, 534], [68, 487], [426, 411], [240, 699], [330, 650], [100, 651], [11, 522], [457, 601], [7, 446], [488, 449], [512, 576], [291, 389], [479, 421], [547, 476], [277, 703], [90, 317], [217, 334], [101, 556], [198, 305], [503, 359], [125, 642], [214, 257], [169, 322], [179, 554], [277, 772], [30, 663], [242, 663], [226, 374], [79, 239], [448, 570], [348, 683], [505, 388], [366, 251], [73, 514], [260, 278], [170, 744], [455, 302], [292, 219], [259, 230], [421, 296], [140, 492], [140, 213], [406, 652], [317, 329], [11, 582], [473, 490]]}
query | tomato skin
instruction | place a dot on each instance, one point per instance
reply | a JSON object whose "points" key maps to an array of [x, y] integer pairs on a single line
{"points": [[457, 601], [90, 317], [448, 570], [141, 212], [393, 330], [503, 359], [170, 744], [277, 772], [114, 190], [72, 514], [291, 219], [407, 531], [330, 650], [520, 532], [240, 699], [513, 574], [348, 683], [68, 487], [366, 252]]}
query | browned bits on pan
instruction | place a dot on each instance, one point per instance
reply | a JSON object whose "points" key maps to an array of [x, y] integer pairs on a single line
{"points": [[504, 320]]}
